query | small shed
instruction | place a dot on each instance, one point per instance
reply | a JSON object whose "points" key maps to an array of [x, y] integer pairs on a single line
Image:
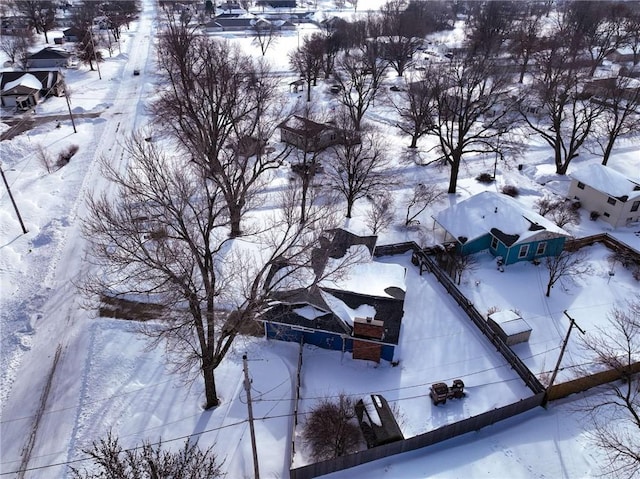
{"points": [[511, 328]]}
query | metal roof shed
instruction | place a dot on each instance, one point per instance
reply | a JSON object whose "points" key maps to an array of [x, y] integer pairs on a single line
{"points": [[511, 328]]}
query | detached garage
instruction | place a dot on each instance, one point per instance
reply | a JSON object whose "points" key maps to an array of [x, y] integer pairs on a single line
{"points": [[511, 328]]}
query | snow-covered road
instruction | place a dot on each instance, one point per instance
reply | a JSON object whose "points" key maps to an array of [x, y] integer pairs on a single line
{"points": [[48, 301]]}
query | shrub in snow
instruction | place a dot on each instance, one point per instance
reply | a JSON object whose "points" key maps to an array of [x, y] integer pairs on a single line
{"points": [[64, 157], [484, 178], [331, 429], [510, 190]]}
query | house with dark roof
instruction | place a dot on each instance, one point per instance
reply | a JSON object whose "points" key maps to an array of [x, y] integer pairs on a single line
{"points": [[607, 193], [26, 89], [309, 135], [359, 310], [48, 57], [498, 223]]}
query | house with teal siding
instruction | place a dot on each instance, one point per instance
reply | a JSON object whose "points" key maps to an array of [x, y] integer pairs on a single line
{"points": [[499, 223]]}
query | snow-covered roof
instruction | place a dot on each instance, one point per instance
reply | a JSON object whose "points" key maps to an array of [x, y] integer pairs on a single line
{"points": [[607, 180], [26, 80], [488, 211], [346, 313], [382, 280], [511, 323]]}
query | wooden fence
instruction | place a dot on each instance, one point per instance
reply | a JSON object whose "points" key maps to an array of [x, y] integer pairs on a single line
{"points": [[417, 442], [422, 259], [561, 390]]}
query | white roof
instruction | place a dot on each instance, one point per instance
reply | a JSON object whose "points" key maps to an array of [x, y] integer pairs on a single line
{"points": [[607, 180], [371, 279], [344, 312], [510, 322], [479, 214], [26, 80]]}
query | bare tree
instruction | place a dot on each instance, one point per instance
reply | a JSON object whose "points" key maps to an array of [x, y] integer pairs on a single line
{"points": [[525, 39], [561, 211], [422, 197], [41, 14], [87, 51], [331, 429], [472, 111], [565, 265], [149, 460], [265, 34], [555, 108], [616, 416], [16, 46], [380, 215], [462, 264], [620, 99], [163, 238], [416, 109], [307, 61], [600, 26], [359, 84], [489, 26], [357, 168], [220, 105]]}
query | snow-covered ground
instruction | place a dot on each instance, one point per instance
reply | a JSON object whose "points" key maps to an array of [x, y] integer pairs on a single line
{"points": [[105, 378]]}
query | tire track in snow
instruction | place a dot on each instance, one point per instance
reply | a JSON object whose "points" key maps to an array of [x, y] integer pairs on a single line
{"points": [[31, 440]]}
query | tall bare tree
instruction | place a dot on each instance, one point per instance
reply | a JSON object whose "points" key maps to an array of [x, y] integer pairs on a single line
{"points": [[265, 35], [489, 25], [555, 108], [307, 61], [524, 39], [415, 108], [41, 14], [472, 108], [356, 169], [163, 238], [359, 83], [600, 26], [620, 99], [616, 416], [215, 99]]}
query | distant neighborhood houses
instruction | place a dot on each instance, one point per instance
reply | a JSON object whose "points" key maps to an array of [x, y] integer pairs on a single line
{"points": [[500, 224], [607, 194], [359, 311]]}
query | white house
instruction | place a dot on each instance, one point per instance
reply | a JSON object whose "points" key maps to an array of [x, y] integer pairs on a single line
{"points": [[607, 193]]}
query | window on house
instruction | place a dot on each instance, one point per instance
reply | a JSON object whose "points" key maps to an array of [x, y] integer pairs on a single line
{"points": [[494, 242], [611, 201], [524, 251], [635, 205], [542, 247], [580, 185]]}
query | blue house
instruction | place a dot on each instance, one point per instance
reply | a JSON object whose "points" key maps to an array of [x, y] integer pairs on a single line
{"points": [[358, 312], [500, 224]]}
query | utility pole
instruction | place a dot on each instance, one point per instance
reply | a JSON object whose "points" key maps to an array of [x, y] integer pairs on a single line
{"points": [[15, 207], [247, 388], [572, 323], [66, 97]]}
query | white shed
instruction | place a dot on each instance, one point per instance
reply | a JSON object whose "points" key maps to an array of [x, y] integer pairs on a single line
{"points": [[511, 328]]}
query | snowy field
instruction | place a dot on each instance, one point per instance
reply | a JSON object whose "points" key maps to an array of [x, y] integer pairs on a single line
{"points": [[106, 378]]}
